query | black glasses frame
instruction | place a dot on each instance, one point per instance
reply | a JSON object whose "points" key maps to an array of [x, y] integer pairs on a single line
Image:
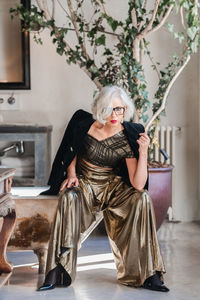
{"points": [[118, 108]]}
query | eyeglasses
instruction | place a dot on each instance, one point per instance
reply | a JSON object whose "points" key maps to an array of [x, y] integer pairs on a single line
{"points": [[119, 110]]}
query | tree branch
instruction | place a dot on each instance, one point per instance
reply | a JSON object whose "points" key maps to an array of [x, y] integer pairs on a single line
{"points": [[157, 71], [53, 9], [84, 39], [104, 31], [88, 73], [149, 26], [145, 4], [46, 9], [96, 81], [76, 28], [73, 18], [64, 9], [134, 18], [182, 18], [102, 5], [41, 8], [142, 52], [163, 20], [166, 95], [137, 115]]}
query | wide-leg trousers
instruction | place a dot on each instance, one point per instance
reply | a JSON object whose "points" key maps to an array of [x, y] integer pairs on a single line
{"points": [[129, 220]]}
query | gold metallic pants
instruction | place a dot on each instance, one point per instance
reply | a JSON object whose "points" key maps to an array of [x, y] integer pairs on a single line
{"points": [[129, 220]]}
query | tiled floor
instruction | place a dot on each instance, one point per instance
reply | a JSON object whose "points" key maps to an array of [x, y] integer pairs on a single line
{"points": [[96, 276]]}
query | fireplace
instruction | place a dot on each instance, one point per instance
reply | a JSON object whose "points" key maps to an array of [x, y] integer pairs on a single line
{"points": [[27, 148]]}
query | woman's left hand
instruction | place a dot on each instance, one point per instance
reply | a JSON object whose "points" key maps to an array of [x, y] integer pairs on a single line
{"points": [[143, 142]]}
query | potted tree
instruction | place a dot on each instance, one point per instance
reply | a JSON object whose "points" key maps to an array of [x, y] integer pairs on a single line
{"points": [[111, 51]]}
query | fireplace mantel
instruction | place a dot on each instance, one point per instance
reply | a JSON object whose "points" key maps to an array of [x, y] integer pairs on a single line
{"points": [[24, 128]]}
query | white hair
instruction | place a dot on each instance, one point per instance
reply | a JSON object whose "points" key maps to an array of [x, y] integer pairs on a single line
{"points": [[103, 100]]}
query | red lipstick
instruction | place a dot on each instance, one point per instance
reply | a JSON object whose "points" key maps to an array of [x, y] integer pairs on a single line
{"points": [[113, 121]]}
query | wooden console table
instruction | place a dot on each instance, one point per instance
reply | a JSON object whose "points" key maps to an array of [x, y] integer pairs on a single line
{"points": [[7, 212]]}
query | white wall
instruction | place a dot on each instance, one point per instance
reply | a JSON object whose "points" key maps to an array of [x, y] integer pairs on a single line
{"points": [[198, 138], [58, 90], [185, 114]]}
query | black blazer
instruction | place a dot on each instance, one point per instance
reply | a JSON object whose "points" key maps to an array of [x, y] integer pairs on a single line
{"points": [[72, 142]]}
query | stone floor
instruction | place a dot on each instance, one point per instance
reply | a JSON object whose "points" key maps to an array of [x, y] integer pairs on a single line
{"points": [[96, 276]]}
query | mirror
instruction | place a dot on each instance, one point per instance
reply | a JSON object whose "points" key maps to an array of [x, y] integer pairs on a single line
{"points": [[14, 49]]}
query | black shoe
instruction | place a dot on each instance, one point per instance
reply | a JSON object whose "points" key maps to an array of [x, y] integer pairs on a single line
{"points": [[56, 277], [66, 279], [46, 287], [155, 283], [155, 287], [50, 192], [52, 279]]}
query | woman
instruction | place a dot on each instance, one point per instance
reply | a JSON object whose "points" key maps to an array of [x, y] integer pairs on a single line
{"points": [[106, 165]]}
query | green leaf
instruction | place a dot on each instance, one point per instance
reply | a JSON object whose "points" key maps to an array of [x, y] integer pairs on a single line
{"points": [[139, 3], [170, 27], [59, 51], [186, 5], [82, 64], [124, 67], [80, 40], [191, 32], [163, 113], [181, 37], [145, 118], [89, 63], [94, 69], [107, 52], [112, 22], [176, 35], [194, 46], [101, 40], [114, 25], [68, 61]]}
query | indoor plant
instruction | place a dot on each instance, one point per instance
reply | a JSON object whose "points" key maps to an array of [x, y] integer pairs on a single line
{"points": [[111, 51]]}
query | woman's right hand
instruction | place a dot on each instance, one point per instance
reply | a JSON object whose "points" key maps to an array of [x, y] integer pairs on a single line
{"points": [[69, 183]]}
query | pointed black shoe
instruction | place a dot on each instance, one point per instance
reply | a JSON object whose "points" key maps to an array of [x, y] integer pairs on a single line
{"points": [[56, 277], [154, 283], [52, 279], [155, 287], [46, 287]]}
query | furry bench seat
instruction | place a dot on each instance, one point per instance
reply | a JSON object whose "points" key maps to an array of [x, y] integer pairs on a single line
{"points": [[33, 225]]}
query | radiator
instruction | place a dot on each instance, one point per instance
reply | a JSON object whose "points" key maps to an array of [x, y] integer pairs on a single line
{"points": [[166, 137]]}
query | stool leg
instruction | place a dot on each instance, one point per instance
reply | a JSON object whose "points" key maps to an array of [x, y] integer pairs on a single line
{"points": [[42, 257]]}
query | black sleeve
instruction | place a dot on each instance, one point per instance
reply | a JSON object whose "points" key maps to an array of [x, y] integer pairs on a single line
{"points": [[141, 129], [132, 132], [59, 166]]}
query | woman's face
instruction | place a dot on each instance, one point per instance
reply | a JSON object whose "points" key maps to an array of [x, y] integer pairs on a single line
{"points": [[117, 115]]}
